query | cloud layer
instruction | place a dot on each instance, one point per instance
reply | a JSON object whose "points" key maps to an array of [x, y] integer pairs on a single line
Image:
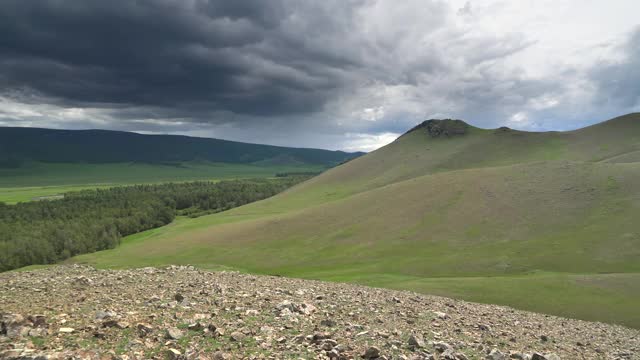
{"points": [[347, 74]]}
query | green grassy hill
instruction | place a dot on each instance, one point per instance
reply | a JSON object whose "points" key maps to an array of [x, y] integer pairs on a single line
{"points": [[540, 221]]}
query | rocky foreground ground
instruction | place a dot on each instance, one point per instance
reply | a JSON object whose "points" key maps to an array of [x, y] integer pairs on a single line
{"points": [[77, 312]]}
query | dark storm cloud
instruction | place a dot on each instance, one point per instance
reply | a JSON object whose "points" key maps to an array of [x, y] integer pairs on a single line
{"points": [[209, 55], [618, 83], [340, 74]]}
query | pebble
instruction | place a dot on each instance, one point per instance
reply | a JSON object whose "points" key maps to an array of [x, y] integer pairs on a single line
{"points": [[324, 320]]}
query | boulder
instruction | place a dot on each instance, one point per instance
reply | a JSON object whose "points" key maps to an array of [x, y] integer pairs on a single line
{"points": [[441, 346], [219, 355], [237, 336], [174, 334], [371, 352], [174, 354], [416, 341], [496, 354], [13, 325], [539, 356], [144, 329]]}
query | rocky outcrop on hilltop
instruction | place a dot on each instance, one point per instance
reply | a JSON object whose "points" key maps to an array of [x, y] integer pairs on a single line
{"points": [[77, 312], [442, 128]]}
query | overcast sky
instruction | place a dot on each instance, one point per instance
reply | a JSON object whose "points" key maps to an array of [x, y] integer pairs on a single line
{"points": [[334, 74]]}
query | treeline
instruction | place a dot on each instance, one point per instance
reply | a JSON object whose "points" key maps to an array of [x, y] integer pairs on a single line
{"points": [[298, 173], [45, 232]]}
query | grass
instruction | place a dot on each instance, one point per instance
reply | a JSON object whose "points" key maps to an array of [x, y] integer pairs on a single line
{"points": [[13, 195], [37, 341], [41, 180], [595, 297], [407, 244], [538, 221]]}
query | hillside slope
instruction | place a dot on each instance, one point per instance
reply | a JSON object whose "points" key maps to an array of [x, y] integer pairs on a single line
{"points": [[533, 220], [18, 145]]}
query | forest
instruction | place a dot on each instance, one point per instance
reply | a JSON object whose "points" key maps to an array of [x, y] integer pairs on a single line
{"points": [[44, 232]]}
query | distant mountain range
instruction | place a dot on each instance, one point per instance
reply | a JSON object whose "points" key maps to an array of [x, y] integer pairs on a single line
{"points": [[18, 145]]}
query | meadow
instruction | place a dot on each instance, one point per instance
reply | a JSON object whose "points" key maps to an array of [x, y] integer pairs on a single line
{"points": [[36, 180]]}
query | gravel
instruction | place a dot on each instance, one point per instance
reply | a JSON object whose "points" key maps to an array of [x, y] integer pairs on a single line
{"points": [[78, 312]]}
